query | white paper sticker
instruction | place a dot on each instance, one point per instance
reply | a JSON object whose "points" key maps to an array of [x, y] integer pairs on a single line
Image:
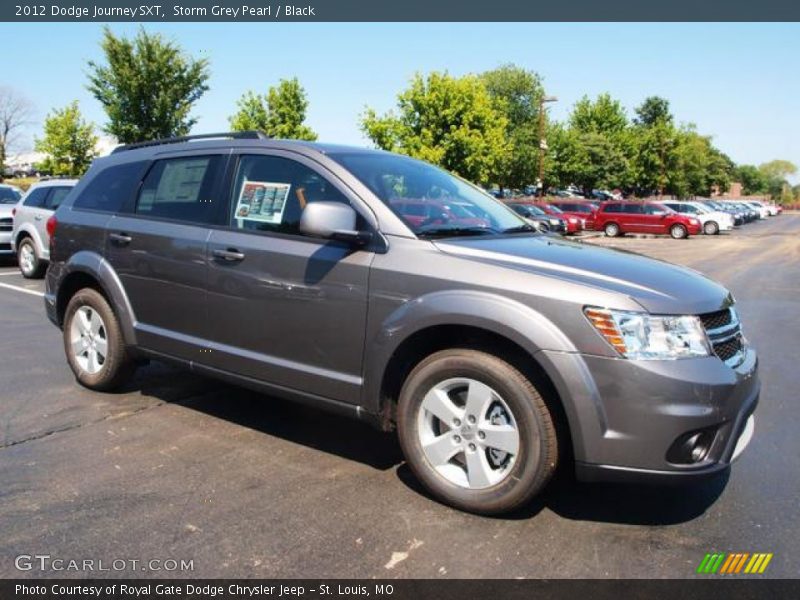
{"points": [[262, 201]]}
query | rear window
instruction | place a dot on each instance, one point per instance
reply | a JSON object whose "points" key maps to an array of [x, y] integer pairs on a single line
{"points": [[9, 195], [110, 188], [57, 196], [36, 198]]}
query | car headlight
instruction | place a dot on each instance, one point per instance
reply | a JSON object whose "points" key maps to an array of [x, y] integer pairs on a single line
{"points": [[694, 222], [554, 221], [573, 220], [641, 336]]}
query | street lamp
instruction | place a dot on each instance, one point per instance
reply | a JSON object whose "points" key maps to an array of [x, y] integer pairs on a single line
{"points": [[542, 141]]}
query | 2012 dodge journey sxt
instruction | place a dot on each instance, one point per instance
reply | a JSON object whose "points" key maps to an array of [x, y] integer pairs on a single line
{"points": [[384, 288]]}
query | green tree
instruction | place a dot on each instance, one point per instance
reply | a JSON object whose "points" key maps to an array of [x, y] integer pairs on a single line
{"points": [[281, 112], [519, 93], [604, 115], [776, 173], [451, 122], [68, 143], [701, 167], [147, 86], [752, 179], [654, 157], [653, 111]]}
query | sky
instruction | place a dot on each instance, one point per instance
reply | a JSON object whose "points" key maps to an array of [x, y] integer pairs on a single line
{"points": [[736, 82]]}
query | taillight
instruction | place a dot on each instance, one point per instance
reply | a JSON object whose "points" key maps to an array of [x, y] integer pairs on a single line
{"points": [[52, 222]]}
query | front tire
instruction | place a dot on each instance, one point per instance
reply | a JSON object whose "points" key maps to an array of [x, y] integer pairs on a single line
{"points": [[476, 432], [678, 232], [93, 342], [30, 265], [711, 228], [611, 230]]}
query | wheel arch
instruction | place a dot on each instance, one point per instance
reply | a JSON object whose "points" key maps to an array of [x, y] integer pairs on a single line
{"points": [[89, 269]]}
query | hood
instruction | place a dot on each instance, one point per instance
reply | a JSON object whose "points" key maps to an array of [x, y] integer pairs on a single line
{"points": [[659, 287], [5, 210]]}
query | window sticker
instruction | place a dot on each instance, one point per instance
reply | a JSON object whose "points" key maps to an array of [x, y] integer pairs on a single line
{"points": [[262, 201]]}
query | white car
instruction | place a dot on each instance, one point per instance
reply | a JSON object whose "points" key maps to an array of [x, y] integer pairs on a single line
{"points": [[712, 221], [29, 237], [766, 210], [9, 196]]}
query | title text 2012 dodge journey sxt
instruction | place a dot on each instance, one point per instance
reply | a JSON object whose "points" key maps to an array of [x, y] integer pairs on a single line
{"points": [[495, 351]]}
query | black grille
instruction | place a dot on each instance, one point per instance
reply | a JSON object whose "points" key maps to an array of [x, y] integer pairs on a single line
{"points": [[728, 349], [715, 320], [6, 224], [5, 247]]}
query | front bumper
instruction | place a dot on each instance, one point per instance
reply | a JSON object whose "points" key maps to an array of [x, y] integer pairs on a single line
{"points": [[625, 416], [5, 243]]}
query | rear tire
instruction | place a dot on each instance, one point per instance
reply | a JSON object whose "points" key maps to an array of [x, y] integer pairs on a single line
{"points": [[30, 265], [94, 344], [711, 228], [611, 229], [678, 232], [476, 432]]}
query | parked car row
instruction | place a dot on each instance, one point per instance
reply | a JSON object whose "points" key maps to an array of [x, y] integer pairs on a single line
{"points": [[676, 218]]}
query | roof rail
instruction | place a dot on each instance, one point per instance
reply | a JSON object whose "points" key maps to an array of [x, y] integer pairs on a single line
{"points": [[234, 135]]}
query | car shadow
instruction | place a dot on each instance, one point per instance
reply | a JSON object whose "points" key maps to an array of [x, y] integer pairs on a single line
{"points": [[358, 441], [334, 434]]}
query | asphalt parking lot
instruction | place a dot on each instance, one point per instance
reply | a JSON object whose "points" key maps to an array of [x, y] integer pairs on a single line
{"points": [[180, 467]]}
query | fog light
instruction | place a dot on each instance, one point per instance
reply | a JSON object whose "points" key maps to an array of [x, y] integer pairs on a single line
{"points": [[692, 447]]}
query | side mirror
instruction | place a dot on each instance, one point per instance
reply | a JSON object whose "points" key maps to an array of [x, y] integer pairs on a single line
{"points": [[333, 221]]}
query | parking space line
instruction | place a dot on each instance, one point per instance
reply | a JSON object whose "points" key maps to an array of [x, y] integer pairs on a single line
{"points": [[9, 273], [23, 290]]}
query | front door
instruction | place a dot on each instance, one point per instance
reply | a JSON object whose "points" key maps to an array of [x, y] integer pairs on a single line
{"points": [[284, 308]]}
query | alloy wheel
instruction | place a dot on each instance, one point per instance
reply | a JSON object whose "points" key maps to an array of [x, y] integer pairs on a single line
{"points": [[89, 339]]}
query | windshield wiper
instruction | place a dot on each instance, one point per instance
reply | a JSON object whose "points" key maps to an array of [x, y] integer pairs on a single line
{"points": [[521, 229], [455, 231]]}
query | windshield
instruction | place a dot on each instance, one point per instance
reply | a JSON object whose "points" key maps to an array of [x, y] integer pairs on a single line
{"points": [[554, 209], [9, 195], [429, 200]]}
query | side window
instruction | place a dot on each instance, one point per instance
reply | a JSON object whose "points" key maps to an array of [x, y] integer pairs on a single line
{"points": [[36, 198], [181, 189], [612, 208], [111, 187], [631, 209], [271, 192], [57, 196], [653, 209]]}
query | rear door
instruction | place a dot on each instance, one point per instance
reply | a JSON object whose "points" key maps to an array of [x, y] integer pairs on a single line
{"points": [[285, 308], [34, 212], [158, 249]]}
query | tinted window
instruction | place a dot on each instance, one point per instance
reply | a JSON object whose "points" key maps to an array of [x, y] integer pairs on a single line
{"points": [[271, 192], [57, 195], [181, 189], [612, 208], [630, 209], [36, 198], [9, 195], [655, 209], [110, 188]]}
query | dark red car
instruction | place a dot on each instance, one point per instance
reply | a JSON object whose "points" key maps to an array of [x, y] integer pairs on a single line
{"points": [[432, 212], [619, 218], [583, 210]]}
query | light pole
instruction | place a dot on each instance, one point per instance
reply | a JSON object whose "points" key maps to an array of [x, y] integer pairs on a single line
{"points": [[542, 141]]}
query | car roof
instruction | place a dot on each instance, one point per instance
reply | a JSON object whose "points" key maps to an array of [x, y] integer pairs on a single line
{"points": [[54, 182]]}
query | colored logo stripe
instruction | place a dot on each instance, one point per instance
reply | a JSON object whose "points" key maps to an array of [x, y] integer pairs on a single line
{"points": [[727, 564]]}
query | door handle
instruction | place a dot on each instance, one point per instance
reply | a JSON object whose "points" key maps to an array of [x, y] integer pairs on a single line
{"points": [[121, 239], [38, 217], [230, 255]]}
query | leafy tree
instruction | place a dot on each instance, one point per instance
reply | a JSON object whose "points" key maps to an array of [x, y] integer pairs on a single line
{"points": [[69, 142], [452, 122], [519, 93], [752, 179], [776, 173], [603, 115], [653, 111], [147, 87], [701, 167], [15, 113], [280, 113], [654, 157]]}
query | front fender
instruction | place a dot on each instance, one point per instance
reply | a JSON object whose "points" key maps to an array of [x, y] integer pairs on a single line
{"points": [[97, 267], [516, 322]]}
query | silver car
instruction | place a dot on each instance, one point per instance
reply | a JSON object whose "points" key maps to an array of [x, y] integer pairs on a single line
{"points": [[29, 236], [9, 196]]}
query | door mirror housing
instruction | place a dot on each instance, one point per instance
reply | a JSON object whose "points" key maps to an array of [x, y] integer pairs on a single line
{"points": [[332, 221]]}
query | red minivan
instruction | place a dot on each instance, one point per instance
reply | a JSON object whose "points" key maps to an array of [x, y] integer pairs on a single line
{"points": [[574, 224], [619, 218], [583, 210]]}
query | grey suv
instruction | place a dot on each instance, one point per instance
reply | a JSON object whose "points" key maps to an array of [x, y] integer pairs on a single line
{"points": [[307, 271]]}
